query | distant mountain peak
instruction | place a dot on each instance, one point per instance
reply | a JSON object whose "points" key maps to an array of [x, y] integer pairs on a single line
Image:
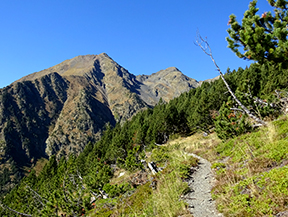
{"points": [[165, 84]]}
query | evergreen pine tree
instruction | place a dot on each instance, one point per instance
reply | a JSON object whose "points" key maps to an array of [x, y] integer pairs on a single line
{"points": [[230, 123], [263, 37]]}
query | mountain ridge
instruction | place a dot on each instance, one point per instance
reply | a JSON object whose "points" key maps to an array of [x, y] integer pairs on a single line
{"points": [[57, 111]]}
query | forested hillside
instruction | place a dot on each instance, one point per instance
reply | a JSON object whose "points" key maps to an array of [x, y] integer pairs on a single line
{"points": [[125, 145]]}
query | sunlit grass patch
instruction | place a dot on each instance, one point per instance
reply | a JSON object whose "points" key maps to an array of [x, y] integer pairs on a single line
{"points": [[260, 195], [165, 200], [253, 182], [160, 196]]}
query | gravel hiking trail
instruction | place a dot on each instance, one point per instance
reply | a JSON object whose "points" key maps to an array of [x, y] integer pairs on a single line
{"points": [[200, 203]]}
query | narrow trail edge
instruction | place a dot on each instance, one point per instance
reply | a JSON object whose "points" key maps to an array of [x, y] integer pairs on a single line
{"points": [[200, 202]]}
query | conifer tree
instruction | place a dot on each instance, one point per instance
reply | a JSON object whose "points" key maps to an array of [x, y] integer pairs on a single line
{"points": [[262, 37], [230, 123]]}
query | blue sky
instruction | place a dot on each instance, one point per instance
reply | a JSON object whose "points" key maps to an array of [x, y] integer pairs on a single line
{"points": [[143, 36]]}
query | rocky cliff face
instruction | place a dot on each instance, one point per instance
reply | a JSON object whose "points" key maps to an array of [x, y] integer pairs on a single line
{"points": [[27, 111], [60, 109]]}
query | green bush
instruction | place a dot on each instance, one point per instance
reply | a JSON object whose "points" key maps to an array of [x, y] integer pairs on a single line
{"points": [[132, 162], [116, 190], [229, 124], [185, 166], [160, 154]]}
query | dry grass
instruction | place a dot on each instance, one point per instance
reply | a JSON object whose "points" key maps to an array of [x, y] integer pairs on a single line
{"points": [[271, 132], [124, 178], [164, 200], [198, 144]]}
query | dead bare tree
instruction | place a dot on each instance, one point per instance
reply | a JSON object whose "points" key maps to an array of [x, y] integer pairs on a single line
{"points": [[83, 187], [74, 198], [12, 210], [205, 47], [73, 191], [37, 199], [36, 196]]}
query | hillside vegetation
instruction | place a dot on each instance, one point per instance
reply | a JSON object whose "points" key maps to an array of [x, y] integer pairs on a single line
{"points": [[253, 174], [251, 170], [70, 185], [111, 177]]}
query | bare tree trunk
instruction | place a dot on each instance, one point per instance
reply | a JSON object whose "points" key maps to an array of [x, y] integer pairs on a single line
{"points": [[207, 50], [152, 166], [38, 197], [12, 210]]}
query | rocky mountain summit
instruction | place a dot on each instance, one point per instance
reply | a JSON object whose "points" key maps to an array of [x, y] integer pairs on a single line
{"points": [[60, 109]]}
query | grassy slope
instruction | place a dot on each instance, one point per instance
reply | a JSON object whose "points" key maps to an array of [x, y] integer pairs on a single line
{"points": [[160, 201], [251, 172], [254, 180]]}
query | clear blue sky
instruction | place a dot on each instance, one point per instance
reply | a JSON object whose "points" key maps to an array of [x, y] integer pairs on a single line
{"points": [[143, 36]]}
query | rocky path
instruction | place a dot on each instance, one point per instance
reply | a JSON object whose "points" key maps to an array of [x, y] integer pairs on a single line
{"points": [[199, 200]]}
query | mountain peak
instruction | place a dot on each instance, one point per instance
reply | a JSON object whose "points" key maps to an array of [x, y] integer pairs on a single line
{"points": [[165, 84], [105, 55], [173, 68], [76, 66]]}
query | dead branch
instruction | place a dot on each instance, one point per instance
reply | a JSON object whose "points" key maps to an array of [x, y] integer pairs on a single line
{"points": [[256, 125], [205, 47], [278, 94], [103, 193], [40, 199], [259, 101], [237, 109], [152, 166], [64, 190], [83, 187], [157, 144], [12, 210], [67, 200]]}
